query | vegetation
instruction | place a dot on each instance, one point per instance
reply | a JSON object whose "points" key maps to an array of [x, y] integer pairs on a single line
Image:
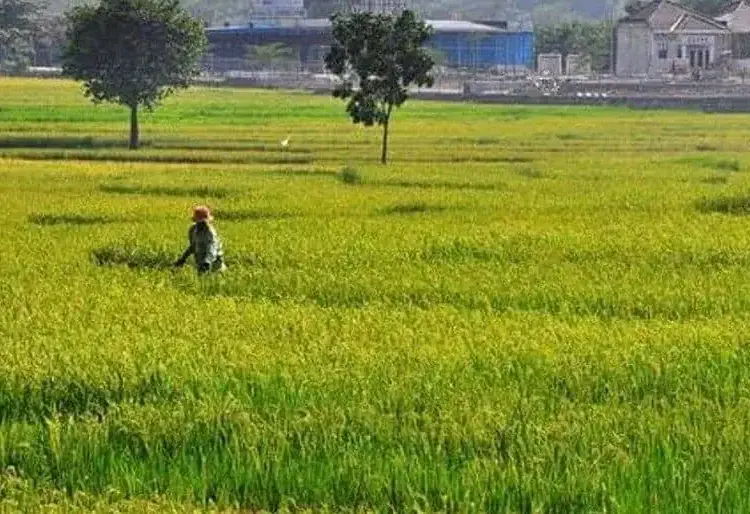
{"points": [[503, 320], [708, 7], [542, 11], [17, 23], [272, 56], [593, 41], [376, 58], [133, 52]]}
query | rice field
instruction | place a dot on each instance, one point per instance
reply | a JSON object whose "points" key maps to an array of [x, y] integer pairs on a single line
{"points": [[529, 310]]}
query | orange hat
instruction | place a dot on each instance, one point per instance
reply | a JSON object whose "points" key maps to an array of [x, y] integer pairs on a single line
{"points": [[202, 213]]}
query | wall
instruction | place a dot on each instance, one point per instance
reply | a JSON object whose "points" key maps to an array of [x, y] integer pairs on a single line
{"points": [[469, 50], [486, 50], [633, 51]]}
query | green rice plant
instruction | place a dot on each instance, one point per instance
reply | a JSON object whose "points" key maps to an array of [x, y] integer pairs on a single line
{"points": [[716, 163], [716, 179], [737, 205], [350, 176], [197, 191], [132, 257], [250, 215], [452, 336], [73, 219], [412, 208]]}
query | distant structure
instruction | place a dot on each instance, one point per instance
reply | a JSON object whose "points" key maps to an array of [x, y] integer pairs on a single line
{"points": [[664, 37], [471, 45], [376, 6], [277, 8], [736, 16], [550, 64]]}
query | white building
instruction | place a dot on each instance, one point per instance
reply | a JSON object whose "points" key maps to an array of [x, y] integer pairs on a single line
{"points": [[665, 37]]}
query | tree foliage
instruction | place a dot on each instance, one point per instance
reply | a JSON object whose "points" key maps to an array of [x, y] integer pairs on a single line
{"points": [[707, 7], [133, 52], [271, 55], [17, 22], [592, 40], [377, 57], [49, 40]]}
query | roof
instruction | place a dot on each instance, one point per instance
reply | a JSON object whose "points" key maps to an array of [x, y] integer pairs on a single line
{"points": [[319, 24], [736, 16], [670, 16], [461, 26]]}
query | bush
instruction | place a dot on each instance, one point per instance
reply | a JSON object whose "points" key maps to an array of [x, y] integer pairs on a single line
{"points": [[350, 176]]}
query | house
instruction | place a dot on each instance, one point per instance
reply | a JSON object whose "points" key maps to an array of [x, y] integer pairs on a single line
{"points": [[736, 16], [665, 37]]}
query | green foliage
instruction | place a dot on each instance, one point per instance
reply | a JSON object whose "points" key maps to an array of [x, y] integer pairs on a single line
{"points": [[17, 23], [377, 57], [271, 55], [49, 40], [707, 7], [592, 40], [350, 176], [133, 52], [453, 336]]}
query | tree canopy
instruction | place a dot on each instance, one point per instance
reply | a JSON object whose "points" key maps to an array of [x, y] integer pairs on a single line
{"points": [[133, 52], [377, 57], [593, 40], [18, 19]]}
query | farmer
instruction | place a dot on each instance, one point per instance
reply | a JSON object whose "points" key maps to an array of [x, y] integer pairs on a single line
{"points": [[205, 244]]}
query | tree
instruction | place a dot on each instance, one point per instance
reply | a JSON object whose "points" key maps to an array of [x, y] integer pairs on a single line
{"points": [[49, 40], [133, 52], [272, 55], [376, 58], [17, 23], [593, 40], [706, 7]]}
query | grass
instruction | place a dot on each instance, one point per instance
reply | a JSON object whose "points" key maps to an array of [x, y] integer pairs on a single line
{"points": [[413, 208], [198, 191], [73, 219], [458, 333]]}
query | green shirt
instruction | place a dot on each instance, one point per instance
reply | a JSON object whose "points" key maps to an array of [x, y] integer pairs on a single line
{"points": [[205, 245]]}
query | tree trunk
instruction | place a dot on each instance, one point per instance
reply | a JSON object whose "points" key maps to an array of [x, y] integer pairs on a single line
{"points": [[134, 137], [384, 155]]}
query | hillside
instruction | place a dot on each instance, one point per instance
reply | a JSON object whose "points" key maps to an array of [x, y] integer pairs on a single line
{"points": [[542, 11]]}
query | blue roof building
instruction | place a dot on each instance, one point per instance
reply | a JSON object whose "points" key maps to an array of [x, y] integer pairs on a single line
{"points": [[464, 44]]}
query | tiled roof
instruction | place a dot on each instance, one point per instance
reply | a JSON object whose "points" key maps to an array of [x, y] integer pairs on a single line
{"points": [[668, 15]]}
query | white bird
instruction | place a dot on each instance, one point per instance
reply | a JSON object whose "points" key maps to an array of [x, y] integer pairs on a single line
{"points": [[285, 142]]}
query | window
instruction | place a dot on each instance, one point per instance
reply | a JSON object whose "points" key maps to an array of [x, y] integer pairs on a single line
{"points": [[679, 51], [663, 50]]}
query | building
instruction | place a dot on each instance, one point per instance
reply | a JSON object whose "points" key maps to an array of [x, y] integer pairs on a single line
{"points": [[736, 17], [463, 44], [665, 37], [377, 6]]}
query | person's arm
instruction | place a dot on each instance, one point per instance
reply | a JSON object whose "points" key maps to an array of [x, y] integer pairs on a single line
{"points": [[190, 251]]}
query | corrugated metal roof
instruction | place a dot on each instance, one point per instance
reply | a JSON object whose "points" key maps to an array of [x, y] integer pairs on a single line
{"points": [[461, 26]]}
